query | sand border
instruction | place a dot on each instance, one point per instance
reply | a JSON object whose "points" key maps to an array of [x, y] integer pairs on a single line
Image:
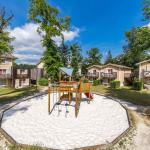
{"points": [[94, 147]]}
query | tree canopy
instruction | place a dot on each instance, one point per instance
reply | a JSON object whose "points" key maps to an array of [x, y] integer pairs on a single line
{"points": [[76, 58], [138, 46], [50, 26], [109, 58], [5, 39], [65, 53], [94, 56], [146, 9]]}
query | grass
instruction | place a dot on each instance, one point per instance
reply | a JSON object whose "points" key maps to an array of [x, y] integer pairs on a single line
{"points": [[125, 93], [10, 94]]}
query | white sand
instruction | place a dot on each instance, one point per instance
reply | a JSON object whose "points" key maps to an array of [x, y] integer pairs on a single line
{"points": [[99, 122]]}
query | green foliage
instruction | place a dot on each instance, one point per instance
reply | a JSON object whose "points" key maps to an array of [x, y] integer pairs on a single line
{"points": [[138, 85], [137, 48], [50, 26], [109, 58], [85, 81], [115, 84], [5, 39], [43, 82], [146, 9], [96, 82], [65, 54], [24, 66], [76, 58], [94, 56]]}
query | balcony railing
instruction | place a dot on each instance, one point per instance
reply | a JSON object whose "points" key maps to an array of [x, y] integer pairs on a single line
{"points": [[5, 76], [22, 76], [109, 75], [93, 74], [146, 73]]}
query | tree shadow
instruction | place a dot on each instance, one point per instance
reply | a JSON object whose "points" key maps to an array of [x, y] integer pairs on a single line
{"points": [[10, 112]]}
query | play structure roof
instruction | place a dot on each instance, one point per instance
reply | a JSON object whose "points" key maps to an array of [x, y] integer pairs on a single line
{"points": [[67, 71]]}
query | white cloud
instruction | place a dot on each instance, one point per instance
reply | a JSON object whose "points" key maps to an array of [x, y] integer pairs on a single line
{"points": [[27, 44], [148, 25]]}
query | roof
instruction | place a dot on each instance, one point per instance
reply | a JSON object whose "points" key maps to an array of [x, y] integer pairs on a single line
{"points": [[8, 55], [116, 65], [67, 71], [97, 66], [110, 64], [145, 61]]}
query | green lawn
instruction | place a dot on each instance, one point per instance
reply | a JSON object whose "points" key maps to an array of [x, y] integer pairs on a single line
{"points": [[10, 94], [125, 93]]}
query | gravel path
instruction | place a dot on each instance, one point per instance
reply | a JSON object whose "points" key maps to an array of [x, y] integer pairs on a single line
{"points": [[141, 141]]}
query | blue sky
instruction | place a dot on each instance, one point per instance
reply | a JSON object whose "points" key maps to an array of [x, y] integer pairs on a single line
{"points": [[94, 23]]}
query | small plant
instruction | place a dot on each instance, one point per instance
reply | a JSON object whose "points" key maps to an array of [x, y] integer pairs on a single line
{"points": [[96, 82], [43, 82], [138, 85], [115, 84], [85, 81]]}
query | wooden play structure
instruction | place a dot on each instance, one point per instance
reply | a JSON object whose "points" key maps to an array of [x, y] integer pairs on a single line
{"points": [[69, 90]]}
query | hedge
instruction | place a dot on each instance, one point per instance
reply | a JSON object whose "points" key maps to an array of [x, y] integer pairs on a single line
{"points": [[43, 82], [115, 84], [96, 82], [138, 85]]}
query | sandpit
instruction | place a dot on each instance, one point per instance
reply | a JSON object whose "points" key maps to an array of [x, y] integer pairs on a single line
{"points": [[99, 122]]}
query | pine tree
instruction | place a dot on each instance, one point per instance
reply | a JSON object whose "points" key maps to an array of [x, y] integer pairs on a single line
{"points": [[109, 58], [76, 58]]}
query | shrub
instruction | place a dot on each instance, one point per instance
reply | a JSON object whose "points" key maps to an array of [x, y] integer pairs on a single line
{"points": [[138, 85], [96, 82], [85, 81], [115, 84], [43, 82]]}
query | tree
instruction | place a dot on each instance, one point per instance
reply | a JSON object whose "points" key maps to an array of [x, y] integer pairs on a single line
{"points": [[109, 58], [5, 39], [138, 45], [146, 9], [76, 58], [137, 48], [50, 26], [94, 56], [65, 54]]}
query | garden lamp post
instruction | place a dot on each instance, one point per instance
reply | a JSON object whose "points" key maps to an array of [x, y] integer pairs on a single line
{"points": [[49, 94]]}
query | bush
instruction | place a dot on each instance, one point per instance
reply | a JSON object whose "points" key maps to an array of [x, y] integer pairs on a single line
{"points": [[96, 82], [85, 81], [115, 84], [138, 85], [43, 82]]}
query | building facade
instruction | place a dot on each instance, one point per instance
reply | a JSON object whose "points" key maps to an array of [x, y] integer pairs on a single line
{"points": [[144, 71], [110, 72], [6, 70], [10, 76], [21, 78]]}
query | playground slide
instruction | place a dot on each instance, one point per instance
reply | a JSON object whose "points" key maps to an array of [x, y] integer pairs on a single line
{"points": [[89, 95]]}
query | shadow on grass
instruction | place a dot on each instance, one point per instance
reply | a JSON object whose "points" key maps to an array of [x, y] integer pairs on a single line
{"points": [[17, 94], [126, 94]]}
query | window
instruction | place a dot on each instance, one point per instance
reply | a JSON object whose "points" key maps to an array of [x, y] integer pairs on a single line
{"points": [[22, 71], [94, 71], [2, 71], [110, 71]]}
